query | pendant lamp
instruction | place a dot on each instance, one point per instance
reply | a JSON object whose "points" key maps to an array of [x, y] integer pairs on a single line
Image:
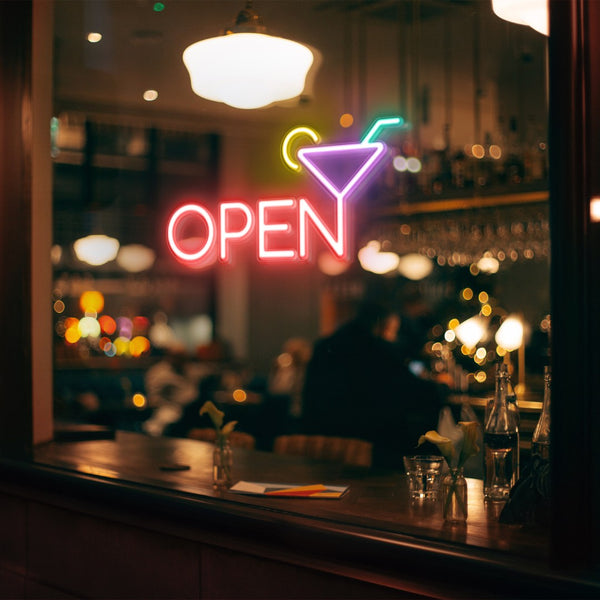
{"points": [[524, 12], [96, 250], [247, 68]]}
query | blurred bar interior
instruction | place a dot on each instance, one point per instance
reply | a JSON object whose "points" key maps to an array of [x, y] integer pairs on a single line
{"points": [[205, 245]]}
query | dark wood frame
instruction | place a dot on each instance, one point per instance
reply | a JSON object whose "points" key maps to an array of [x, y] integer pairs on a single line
{"points": [[16, 134], [575, 176], [574, 97]]}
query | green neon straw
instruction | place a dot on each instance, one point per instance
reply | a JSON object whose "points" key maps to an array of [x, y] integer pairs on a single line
{"points": [[380, 124]]}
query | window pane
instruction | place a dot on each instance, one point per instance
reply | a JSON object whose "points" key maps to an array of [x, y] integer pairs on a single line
{"points": [[282, 242]]}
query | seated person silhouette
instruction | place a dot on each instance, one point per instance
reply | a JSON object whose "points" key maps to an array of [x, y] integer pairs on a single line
{"points": [[358, 385]]}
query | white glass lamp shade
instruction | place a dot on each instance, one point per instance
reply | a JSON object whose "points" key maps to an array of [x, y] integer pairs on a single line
{"points": [[247, 70], [136, 258], [510, 334], [524, 12], [96, 250], [471, 331], [415, 266], [373, 260]]}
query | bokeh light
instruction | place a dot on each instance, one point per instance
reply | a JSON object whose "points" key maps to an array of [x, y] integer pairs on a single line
{"points": [[346, 120], [478, 150], [449, 336], [240, 395], [72, 334], [413, 164], [91, 302], [107, 324], [103, 342], [122, 346], [110, 349], [480, 376], [139, 400], [400, 164], [140, 324], [495, 152], [89, 327], [125, 326], [150, 95], [139, 345]]}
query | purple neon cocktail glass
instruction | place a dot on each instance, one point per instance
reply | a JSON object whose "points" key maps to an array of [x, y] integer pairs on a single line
{"points": [[340, 169]]}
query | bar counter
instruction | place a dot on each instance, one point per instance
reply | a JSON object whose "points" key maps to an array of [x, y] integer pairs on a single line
{"points": [[371, 542]]}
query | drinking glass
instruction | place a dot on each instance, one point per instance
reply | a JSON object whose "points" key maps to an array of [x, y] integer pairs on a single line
{"points": [[423, 472]]}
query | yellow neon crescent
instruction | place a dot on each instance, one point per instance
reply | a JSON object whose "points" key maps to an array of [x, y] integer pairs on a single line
{"points": [[289, 138]]}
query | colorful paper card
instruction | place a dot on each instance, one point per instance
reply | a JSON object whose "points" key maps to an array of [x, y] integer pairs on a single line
{"points": [[317, 490]]}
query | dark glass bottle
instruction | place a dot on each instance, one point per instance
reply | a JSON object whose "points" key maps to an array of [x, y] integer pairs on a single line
{"points": [[501, 442], [540, 440]]}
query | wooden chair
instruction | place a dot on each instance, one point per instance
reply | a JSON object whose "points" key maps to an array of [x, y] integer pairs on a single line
{"points": [[237, 439], [349, 451]]}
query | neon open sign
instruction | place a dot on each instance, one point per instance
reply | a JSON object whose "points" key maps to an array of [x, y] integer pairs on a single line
{"points": [[340, 169]]}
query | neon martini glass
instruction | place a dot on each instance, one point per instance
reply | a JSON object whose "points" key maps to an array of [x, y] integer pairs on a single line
{"points": [[341, 168]]}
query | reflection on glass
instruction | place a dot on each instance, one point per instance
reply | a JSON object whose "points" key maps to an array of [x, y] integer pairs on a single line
{"points": [[452, 231]]}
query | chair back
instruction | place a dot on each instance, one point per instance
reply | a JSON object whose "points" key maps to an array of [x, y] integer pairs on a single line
{"points": [[349, 451]]}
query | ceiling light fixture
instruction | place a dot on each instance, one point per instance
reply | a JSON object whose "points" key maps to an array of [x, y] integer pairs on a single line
{"points": [[524, 12], [246, 68], [136, 258], [96, 250], [415, 266]]}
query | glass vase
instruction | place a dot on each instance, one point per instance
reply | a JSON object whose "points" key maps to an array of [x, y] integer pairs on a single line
{"points": [[222, 464], [454, 496]]}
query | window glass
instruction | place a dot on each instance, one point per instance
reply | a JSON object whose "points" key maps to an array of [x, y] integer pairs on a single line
{"points": [[451, 223]]}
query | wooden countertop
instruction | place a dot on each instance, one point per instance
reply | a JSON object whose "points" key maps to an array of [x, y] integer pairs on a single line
{"points": [[373, 532], [376, 500]]}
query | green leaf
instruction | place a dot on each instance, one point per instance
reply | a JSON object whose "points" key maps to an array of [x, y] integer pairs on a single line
{"points": [[470, 447], [227, 429], [216, 415], [444, 444]]}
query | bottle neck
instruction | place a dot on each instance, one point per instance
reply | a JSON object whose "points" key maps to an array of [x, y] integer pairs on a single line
{"points": [[547, 391], [501, 418]]}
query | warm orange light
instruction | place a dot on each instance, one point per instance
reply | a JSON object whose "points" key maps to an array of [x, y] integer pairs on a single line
{"points": [[595, 210], [107, 324], [139, 400], [72, 334], [240, 395], [91, 302], [103, 342], [139, 345], [346, 120], [478, 150]]}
